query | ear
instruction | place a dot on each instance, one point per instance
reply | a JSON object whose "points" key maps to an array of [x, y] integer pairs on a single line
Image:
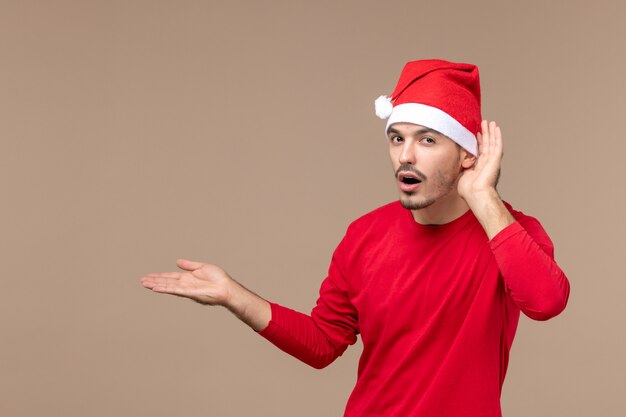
{"points": [[467, 159]]}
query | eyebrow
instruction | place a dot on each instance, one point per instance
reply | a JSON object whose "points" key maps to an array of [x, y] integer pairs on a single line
{"points": [[419, 132]]}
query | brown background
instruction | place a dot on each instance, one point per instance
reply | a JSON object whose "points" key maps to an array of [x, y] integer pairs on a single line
{"points": [[243, 133]]}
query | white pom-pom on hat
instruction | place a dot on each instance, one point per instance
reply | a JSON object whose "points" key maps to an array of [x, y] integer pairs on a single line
{"points": [[383, 107]]}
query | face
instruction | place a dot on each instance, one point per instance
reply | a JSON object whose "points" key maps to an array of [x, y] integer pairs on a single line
{"points": [[426, 164]]}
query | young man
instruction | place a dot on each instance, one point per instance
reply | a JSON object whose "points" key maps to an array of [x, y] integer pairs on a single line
{"points": [[434, 283]]}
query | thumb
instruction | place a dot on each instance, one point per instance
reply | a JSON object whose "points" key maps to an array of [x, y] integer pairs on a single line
{"points": [[188, 265]]}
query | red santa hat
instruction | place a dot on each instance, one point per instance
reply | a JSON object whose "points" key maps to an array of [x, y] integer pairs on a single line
{"points": [[441, 95]]}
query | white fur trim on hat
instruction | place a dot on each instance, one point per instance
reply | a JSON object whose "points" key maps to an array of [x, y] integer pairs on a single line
{"points": [[432, 117]]}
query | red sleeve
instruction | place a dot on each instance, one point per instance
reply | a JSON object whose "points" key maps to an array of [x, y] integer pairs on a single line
{"points": [[320, 338], [525, 255]]}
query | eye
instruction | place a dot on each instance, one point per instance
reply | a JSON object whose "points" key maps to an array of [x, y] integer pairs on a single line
{"points": [[428, 140], [396, 139]]}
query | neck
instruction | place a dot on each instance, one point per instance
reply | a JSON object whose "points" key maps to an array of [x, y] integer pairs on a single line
{"points": [[442, 211]]}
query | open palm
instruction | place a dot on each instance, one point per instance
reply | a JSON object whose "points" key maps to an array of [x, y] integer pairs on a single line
{"points": [[201, 282]]}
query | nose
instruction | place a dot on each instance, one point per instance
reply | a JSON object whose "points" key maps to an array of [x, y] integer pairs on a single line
{"points": [[407, 154]]}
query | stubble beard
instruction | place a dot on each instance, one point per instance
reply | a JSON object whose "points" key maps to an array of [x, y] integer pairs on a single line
{"points": [[444, 185], [407, 203]]}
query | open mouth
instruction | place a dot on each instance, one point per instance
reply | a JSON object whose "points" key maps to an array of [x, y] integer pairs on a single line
{"points": [[408, 182], [409, 178]]}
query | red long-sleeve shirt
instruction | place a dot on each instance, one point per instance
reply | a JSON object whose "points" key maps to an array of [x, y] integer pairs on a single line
{"points": [[437, 308]]}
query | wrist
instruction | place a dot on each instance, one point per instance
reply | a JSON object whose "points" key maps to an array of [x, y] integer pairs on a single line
{"points": [[490, 211], [247, 306], [233, 294]]}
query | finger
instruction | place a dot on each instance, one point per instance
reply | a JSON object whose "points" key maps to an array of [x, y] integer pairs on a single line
{"points": [[169, 289], [492, 127], [498, 141], [484, 127], [484, 145], [165, 274], [176, 290], [147, 283], [489, 138], [479, 144], [485, 136], [150, 282], [188, 265]]}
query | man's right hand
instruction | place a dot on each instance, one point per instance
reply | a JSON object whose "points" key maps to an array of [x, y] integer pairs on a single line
{"points": [[210, 284], [204, 283]]}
